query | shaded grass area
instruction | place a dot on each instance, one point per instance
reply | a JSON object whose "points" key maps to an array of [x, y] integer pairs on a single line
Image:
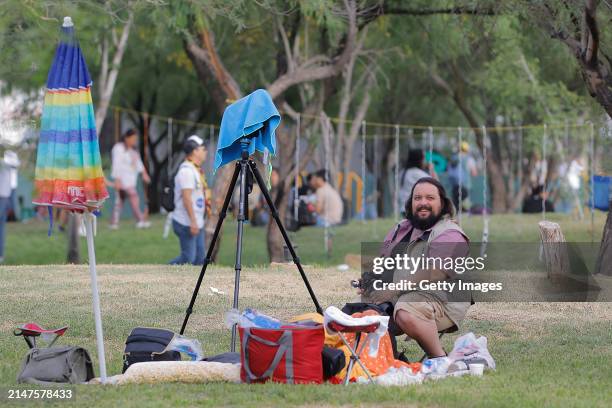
{"points": [[28, 244], [547, 354]]}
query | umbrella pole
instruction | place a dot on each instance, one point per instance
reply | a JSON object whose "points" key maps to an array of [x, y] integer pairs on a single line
{"points": [[96, 298]]}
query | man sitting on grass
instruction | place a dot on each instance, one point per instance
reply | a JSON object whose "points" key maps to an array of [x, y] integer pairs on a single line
{"points": [[428, 231]]}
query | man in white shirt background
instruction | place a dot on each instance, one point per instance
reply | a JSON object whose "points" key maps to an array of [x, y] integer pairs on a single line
{"points": [[8, 168], [190, 204], [126, 166], [329, 206]]}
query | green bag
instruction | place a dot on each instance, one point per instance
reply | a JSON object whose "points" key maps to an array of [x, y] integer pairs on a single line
{"points": [[62, 364]]}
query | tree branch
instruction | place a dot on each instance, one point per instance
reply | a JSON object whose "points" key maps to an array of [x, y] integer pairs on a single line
{"points": [[451, 10], [305, 73], [592, 34]]}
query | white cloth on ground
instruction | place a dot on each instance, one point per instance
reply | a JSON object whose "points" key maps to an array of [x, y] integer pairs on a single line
{"points": [[395, 377], [333, 314]]}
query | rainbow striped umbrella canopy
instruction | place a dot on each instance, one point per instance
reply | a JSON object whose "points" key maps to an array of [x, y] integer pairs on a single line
{"points": [[68, 167]]}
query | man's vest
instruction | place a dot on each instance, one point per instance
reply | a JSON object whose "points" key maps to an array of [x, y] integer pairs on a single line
{"points": [[417, 248]]}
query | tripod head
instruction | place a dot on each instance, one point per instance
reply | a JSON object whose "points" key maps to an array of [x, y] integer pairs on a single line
{"points": [[245, 142]]}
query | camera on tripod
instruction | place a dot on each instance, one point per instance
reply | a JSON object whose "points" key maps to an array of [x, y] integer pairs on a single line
{"points": [[247, 125]]}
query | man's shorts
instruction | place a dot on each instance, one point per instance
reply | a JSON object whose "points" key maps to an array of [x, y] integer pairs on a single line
{"points": [[425, 307]]}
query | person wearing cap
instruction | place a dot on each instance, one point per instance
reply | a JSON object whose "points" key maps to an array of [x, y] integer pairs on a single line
{"points": [[126, 166], [190, 203], [460, 172]]}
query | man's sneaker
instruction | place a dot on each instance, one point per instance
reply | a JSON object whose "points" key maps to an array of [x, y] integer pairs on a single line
{"points": [[143, 224], [113, 226]]}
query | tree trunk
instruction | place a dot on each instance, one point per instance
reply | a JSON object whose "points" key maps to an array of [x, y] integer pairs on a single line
{"points": [[554, 249], [604, 260], [286, 150], [497, 182], [596, 69], [109, 78], [209, 66], [276, 244]]}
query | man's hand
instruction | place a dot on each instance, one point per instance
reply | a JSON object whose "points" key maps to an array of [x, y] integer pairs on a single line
{"points": [[117, 185], [193, 228], [357, 284], [146, 178]]}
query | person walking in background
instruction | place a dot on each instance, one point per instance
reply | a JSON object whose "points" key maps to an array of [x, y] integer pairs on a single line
{"points": [[8, 165], [460, 172], [574, 180], [190, 203], [125, 168], [413, 171], [13, 160]]}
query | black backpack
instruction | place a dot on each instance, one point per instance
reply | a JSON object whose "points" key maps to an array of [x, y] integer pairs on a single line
{"points": [[148, 344], [167, 194]]}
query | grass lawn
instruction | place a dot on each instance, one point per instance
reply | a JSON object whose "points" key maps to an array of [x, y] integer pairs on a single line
{"points": [[554, 354], [28, 244]]}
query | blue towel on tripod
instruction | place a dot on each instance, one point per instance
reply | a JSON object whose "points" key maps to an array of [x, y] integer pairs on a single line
{"points": [[253, 114]]}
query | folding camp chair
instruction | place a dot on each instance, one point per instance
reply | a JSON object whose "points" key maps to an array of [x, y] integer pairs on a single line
{"points": [[356, 351], [30, 331]]}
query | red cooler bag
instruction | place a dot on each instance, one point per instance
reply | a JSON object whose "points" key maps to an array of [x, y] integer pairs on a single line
{"points": [[289, 355]]}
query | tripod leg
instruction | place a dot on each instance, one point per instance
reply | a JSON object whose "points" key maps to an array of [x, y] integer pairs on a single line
{"points": [[242, 216], [274, 212], [211, 246]]}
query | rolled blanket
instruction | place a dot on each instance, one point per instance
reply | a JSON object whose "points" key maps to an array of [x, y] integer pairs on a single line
{"points": [[194, 372]]}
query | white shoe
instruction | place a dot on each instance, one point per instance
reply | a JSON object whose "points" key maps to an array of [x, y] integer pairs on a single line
{"points": [[143, 224], [113, 226]]}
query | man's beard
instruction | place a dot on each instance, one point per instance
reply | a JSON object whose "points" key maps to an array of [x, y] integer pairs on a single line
{"points": [[424, 223]]}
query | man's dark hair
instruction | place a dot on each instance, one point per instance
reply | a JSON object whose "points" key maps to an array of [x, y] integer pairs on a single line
{"points": [[415, 158], [321, 173], [128, 133], [447, 204]]}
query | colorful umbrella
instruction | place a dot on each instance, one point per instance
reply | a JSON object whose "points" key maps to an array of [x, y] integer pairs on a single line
{"points": [[68, 167]]}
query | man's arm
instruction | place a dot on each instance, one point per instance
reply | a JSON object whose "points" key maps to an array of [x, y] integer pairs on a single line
{"points": [[187, 202]]}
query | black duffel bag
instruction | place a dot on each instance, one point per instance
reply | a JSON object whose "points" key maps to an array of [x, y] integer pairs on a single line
{"points": [[148, 344]]}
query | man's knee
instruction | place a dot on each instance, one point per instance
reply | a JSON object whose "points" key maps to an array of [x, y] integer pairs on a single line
{"points": [[406, 320]]}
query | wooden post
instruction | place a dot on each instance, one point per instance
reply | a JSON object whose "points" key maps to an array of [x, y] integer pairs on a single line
{"points": [[555, 256]]}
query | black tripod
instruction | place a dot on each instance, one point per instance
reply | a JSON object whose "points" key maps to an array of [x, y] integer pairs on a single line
{"points": [[243, 166]]}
